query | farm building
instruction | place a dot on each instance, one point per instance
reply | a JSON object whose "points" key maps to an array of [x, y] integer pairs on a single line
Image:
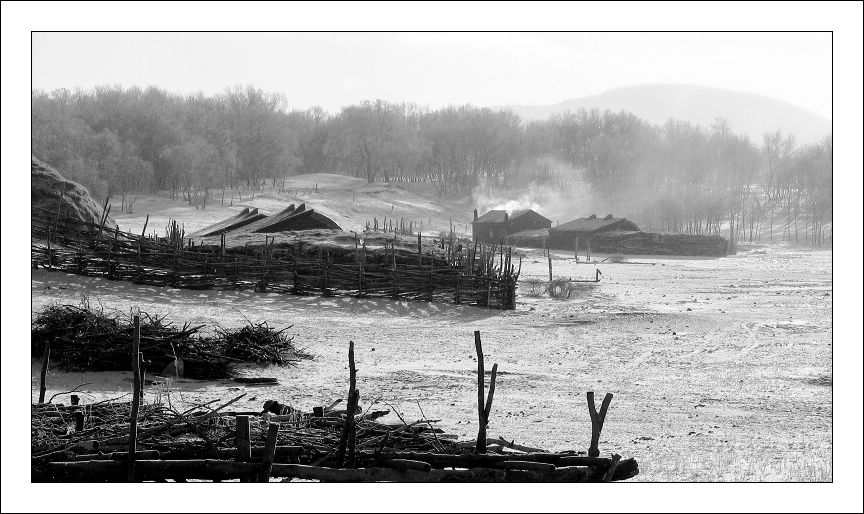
{"points": [[579, 231], [251, 221], [496, 225], [245, 217], [291, 218]]}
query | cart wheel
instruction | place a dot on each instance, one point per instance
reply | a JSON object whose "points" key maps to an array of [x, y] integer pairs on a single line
{"points": [[559, 289]]}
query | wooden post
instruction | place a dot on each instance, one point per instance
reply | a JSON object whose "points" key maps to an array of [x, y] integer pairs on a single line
{"points": [[236, 272], [430, 287], [143, 365], [105, 210], [550, 268], [79, 420], [136, 398], [326, 274], [419, 253], [597, 421], [588, 251], [139, 262], [360, 279], [143, 230], [269, 452], [244, 447], [353, 398], [108, 269], [206, 262], [395, 291], [296, 261], [576, 249], [264, 266], [44, 371], [483, 408]]}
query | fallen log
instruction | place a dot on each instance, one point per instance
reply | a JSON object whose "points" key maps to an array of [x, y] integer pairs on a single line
{"points": [[207, 469]]}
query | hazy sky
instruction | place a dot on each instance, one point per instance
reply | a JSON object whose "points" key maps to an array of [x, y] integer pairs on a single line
{"points": [[435, 69]]}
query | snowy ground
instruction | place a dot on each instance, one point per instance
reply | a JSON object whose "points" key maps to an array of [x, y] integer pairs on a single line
{"points": [[721, 368]]}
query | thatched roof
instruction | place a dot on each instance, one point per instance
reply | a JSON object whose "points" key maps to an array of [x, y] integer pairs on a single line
{"points": [[46, 187]]}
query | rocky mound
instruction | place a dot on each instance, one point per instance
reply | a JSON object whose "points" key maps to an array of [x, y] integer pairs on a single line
{"points": [[46, 185]]}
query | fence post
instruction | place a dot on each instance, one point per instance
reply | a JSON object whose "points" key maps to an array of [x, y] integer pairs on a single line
{"points": [[483, 408], [395, 293], [44, 371], [136, 397], [244, 447], [139, 262], [236, 272], [597, 420], [108, 267], [174, 271], [296, 263], [326, 272], [206, 261]]}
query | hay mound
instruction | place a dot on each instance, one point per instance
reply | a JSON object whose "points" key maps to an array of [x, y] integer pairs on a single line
{"points": [[46, 185]]}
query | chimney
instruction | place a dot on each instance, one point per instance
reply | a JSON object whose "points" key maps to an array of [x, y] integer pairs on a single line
{"points": [[475, 214], [592, 217], [608, 217]]}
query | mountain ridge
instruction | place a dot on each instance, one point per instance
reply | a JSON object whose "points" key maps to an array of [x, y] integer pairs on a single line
{"points": [[750, 114]]}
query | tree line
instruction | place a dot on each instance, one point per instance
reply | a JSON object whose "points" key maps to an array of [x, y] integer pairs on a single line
{"points": [[675, 177]]}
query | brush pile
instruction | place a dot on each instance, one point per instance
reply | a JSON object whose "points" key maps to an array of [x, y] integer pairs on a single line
{"points": [[307, 446], [258, 343], [203, 430], [84, 338], [52, 425]]}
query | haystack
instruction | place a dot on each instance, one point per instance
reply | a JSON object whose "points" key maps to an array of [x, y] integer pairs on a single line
{"points": [[46, 186]]}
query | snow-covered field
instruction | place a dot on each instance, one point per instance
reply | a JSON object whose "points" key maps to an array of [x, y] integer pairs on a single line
{"points": [[721, 368]]}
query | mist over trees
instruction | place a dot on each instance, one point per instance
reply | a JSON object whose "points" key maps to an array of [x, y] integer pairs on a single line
{"points": [[675, 177]]}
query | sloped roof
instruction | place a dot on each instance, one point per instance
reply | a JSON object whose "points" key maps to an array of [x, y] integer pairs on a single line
{"points": [[590, 224], [281, 215], [301, 219], [497, 216], [245, 217]]}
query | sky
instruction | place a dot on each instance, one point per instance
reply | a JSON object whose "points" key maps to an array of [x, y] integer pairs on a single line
{"points": [[436, 69]]}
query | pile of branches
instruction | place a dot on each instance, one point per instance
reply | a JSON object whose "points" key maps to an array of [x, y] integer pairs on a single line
{"points": [[85, 338], [52, 425], [206, 431], [258, 343], [319, 433]]}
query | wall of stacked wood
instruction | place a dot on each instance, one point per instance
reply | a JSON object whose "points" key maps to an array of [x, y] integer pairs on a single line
{"points": [[479, 275]]}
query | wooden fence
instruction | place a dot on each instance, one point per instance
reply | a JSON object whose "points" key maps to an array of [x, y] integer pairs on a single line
{"points": [[481, 276]]}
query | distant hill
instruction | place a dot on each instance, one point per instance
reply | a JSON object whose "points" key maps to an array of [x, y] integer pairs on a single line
{"points": [[749, 114]]}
